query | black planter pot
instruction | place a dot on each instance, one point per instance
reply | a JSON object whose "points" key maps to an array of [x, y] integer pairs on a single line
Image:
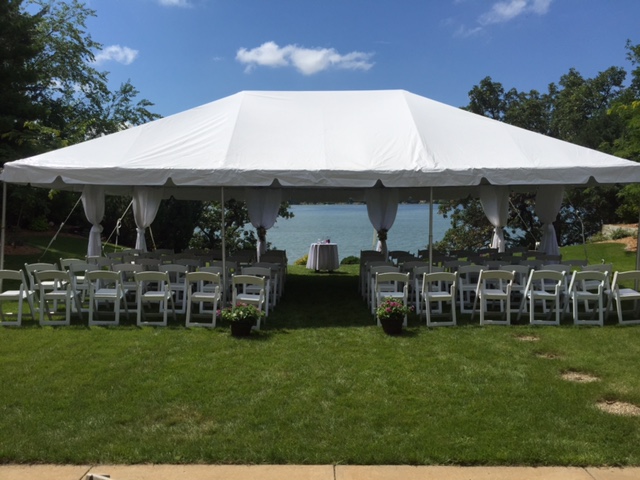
{"points": [[241, 328], [392, 326]]}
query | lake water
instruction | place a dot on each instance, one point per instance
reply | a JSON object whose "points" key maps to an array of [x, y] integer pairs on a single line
{"points": [[349, 227]]}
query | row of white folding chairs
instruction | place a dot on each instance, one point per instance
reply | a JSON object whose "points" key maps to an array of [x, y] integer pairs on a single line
{"points": [[590, 288], [85, 291]]}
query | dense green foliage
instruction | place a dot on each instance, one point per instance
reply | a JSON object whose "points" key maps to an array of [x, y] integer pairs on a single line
{"points": [[600, 113]]}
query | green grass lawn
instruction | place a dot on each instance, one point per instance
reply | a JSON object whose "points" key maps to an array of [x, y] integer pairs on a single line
{"points": [[320, 384]]}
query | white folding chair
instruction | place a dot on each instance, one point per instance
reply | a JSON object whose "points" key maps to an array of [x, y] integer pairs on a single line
{"points": [[588, 286], [521, 276], [391, 285], [543, 286], [271, 286], [439, 287], [203, 288], [177, 283], [14, 288], [105, 287], [129, 285], [55, 286], [494, 286], [373, 271], [153, 288], [629, 292], [467, 285], [250, 289]]}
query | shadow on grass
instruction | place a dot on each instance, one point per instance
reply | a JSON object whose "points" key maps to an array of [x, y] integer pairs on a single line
{"points": [[321, 300]]}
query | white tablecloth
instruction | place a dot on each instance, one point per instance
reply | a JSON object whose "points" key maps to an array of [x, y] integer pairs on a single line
{"points": [[323, 256]]}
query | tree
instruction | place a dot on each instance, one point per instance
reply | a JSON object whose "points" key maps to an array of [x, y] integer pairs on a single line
{"points": [[19, 45], [51, 96], [208, 233], [597, 113]]}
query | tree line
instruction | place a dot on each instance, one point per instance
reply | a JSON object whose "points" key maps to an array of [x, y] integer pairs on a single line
{"points": [[52, 94]]}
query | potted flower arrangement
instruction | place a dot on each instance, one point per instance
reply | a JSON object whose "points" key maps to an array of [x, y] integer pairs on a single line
{"points": [[243, 317], [391, 313]]}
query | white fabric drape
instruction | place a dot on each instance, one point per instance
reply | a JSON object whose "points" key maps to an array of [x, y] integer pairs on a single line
{"points": [[495, 203], [548, 203], [146, 202], [382, 206], [263, 205], [93, 203]]}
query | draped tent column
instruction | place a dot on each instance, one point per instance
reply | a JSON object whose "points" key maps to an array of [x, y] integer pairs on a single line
{"points": [[93, 203], [382, 207], [548, 203], [263, 205], [146, 201], [495, 203]]}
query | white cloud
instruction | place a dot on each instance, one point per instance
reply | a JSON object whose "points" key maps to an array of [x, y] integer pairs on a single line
{"points": [[174, 3], [505, 11], [307, 61], [116, 53]]}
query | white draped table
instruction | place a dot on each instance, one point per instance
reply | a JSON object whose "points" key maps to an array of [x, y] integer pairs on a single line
{"points": [[323, 256]]}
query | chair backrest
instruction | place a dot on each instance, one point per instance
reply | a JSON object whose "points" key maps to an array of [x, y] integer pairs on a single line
{"points": [[455, 265], [469, 274], [411, 265], [101, 262], [576, 263], [257, 271], [66, 262], [31, 268], [437, 281], [150, 277], [248, 280], [628, 277], [390, 277], [558, 267], [151, 264], [383, 269], [201, 278], [541, 279], [105, 277], [191, 263], [588, 280], [127, 267], [176, 272], [12, 276], [53, 279], [598, 267], [501, 279]]}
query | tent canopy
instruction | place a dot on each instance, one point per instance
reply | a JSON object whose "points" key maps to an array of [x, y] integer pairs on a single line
{"points": [[319, 145]]}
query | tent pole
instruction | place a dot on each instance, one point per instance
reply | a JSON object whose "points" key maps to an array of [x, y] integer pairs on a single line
{"points": [[4, 224], [224, 253], [637, 242], [430, 228]]}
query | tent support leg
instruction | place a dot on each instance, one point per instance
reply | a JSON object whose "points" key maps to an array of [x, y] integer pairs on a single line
{"points": [[430, 228], [4, 224], [224, 252], [637, 249]]}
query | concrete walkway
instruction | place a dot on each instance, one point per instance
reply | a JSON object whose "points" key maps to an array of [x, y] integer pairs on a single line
{"points": [[309, 472]]}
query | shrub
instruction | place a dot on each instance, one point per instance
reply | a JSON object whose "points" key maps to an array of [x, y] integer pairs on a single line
{"points": [[621, 233], [350, 260], [39, 224], [302, 260]]}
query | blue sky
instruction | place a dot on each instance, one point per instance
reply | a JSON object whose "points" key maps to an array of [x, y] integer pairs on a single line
{"points": [[184, 53]]}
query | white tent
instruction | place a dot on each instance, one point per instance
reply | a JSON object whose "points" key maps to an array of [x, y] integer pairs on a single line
{"points": [[318, 145]]}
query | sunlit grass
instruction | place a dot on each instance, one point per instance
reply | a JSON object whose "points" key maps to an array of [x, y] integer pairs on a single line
{"points": [[320, 384]]}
